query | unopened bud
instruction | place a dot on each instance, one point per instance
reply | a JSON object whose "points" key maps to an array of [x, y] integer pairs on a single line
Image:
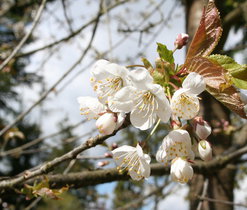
{"points": [[175, 124], [205, 150], [106, 123], [102, 163], [181, 170], [108, 155], [114, 146], [181, 40], [202, 128]]}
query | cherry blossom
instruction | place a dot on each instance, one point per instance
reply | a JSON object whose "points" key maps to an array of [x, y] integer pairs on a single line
{"points": [[185, 102], [176, 144], [108, 78], [181, 170], [134, 160], [144, 100], [107, 121]]}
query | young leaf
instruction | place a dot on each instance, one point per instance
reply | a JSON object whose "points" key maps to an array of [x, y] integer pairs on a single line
{"points": [[208, 32], [218, 83], [165, 54], [147, 64], [238, 72]]}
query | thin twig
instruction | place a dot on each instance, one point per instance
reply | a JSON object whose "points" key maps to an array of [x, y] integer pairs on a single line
{"points": [[24, 39], [204, 192], [36, 141], [221, 201], [23, 114], [67, 38]]}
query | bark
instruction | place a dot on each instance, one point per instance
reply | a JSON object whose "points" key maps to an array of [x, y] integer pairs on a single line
{"points": [[221, 183]]}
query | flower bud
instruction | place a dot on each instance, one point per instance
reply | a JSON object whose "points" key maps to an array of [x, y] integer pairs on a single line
{"points": [[106, 123], [205, 150], [181, 40], [102, 163], [108, 155], [202, 128], [114, 146], [181, 170]]}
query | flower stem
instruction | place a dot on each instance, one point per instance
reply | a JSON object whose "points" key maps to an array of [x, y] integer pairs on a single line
{"points": [[154, 129], [131, 66]]}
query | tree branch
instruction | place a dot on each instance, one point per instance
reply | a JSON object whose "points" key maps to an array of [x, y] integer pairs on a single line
{"points": [[88, 178], [49, 166], [24, 39]]}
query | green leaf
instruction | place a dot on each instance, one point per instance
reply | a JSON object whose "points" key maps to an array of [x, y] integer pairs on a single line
{"points": [[164, 53], [147, 64], [240, 83], [237, 71], [207, 34]]}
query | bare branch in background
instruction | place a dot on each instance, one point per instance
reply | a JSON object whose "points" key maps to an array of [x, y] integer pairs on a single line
{"points": [[76, 32], [24, 39], [23, 114]]}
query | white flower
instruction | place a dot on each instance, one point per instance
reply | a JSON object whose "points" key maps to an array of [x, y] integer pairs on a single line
{"points": [[107, 121], [134, 160], [185, 103], [108, 78], [144, 100], [202, 128], [176, 144], [205, 150], [181, 170]]}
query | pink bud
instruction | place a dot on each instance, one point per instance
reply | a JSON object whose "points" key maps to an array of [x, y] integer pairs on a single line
{"points": [[102, 163], [202, 128], [205, 150], [108, 155], [106, 123], [181, 40], [114, 146]]}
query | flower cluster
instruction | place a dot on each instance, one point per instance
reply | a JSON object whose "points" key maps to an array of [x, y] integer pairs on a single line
{"points": [[121, 92]]}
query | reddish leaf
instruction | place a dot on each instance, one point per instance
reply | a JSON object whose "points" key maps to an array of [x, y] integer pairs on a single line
{"points": [[215, 77], [208, 33]]}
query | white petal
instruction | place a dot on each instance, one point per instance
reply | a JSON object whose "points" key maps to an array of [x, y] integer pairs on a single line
{"points": [[142, 120], [203, 131], [141, 78], [161, 155], [145, 168], [117, 70], [98, 70], [133, 174], [91, 107], [120, 153], [120, 119], [195, 83], [139, 150], [124, 148], [180, 135], [122, 101]]}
